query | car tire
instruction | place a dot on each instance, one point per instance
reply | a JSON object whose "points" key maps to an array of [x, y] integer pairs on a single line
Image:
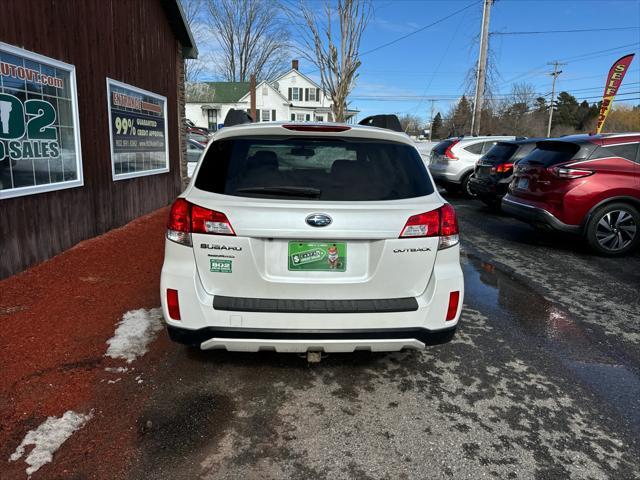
{"points": [[614, 229], [465, 185]]}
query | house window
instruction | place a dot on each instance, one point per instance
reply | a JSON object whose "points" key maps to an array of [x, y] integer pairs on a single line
{"points": [[312, 95], [265, 91], [295, 94], [293, 117], [300, 117], [319, 118], [265, 115], [212, 119]]}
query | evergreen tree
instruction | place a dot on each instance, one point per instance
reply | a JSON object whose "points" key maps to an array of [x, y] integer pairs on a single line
{"points": [[461, 118], [436, 126], [567, 111]]}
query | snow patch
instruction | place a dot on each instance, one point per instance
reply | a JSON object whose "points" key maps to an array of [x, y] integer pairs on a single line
{"points": [[136, 330], [47, 438], [116, 370]]}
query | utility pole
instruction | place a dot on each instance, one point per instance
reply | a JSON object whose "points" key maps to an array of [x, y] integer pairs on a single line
{"points": [[555, 75], [482, 68], [431, 124]]}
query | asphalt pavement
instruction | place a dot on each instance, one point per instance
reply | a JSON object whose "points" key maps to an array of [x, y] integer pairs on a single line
{"points": [[542, 381]]}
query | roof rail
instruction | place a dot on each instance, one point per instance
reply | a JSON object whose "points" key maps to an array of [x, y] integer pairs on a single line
{"points": [[390, 122], [237, 117]]}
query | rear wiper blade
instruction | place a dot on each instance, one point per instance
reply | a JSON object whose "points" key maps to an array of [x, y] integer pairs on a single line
{"points": [[283, 190]]}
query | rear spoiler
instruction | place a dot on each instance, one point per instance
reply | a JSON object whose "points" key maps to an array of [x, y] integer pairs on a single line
{"points": [[237, 117], [390, 122]]}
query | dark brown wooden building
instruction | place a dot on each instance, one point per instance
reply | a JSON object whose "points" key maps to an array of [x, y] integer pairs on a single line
{"points": [[91, 109]]}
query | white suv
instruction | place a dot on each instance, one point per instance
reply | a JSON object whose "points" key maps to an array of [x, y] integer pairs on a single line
{"points": [[307, 237], [453, 160]]}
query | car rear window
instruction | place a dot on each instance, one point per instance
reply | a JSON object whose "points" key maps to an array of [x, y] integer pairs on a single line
{"points": [[475, 148], [549, 153], [441, 147], [500, 152], [314, 169]]}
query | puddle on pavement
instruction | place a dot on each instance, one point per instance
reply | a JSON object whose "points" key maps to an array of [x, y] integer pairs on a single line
{"points": [[515, 305]]}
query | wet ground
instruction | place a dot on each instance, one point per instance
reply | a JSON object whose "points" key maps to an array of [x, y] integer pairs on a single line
{"points": [[542, 381]]}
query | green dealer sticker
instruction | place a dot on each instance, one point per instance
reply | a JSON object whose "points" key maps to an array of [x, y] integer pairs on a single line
{"points": [[220, 266], [318, 256]]}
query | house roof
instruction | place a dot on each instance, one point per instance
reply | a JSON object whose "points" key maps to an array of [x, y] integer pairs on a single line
{"points": [[299, 73], [264, 83], [180, 27], [221, 92]]}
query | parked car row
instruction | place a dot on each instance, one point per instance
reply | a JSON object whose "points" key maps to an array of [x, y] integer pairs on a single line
{"points": [[588, 185]]}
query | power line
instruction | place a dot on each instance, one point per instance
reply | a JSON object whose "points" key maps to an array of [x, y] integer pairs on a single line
{"points": [[384, 45], [539, 32], [542, 68], [375, 49]]}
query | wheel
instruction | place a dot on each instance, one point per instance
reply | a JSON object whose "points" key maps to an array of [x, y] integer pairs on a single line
{"points": [[466, 190], [613, 229]]}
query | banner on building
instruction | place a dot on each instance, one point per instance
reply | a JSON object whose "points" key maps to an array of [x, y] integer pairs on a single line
{"points": [[138, 131], [39, 126], [614, 80]]}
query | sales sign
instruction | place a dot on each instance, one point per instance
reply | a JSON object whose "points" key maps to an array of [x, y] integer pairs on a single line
{"points": [[138, 127], [39, 131]]}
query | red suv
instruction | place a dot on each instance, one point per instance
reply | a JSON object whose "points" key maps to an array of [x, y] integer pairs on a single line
{"points": [[583, 184]]}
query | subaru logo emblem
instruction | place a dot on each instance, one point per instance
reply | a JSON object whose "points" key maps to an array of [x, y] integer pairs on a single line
{"points": [[318, 220]]}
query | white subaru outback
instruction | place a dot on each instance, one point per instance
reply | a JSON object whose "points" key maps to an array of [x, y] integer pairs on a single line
{"points": [[307, 237]]}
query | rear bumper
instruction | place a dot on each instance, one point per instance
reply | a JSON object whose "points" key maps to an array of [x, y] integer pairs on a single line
{"points": [[301, 341], [205, 315], [488, 188], [450, 172], [536, 216]]}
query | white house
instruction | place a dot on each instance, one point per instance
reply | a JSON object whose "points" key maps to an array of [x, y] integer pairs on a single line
{"points": [[292, 96]]}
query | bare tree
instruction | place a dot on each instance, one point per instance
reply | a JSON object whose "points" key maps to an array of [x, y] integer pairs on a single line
{"points": [[335, 54], [253, 38], [411, 124], [194, 68]]}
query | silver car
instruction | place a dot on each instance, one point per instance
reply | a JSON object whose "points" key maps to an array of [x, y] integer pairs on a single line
{"points": [[453, 160]]}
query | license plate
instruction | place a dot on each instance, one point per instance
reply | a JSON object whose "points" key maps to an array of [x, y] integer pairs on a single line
{"points": [[523, 184], [317, 256]]}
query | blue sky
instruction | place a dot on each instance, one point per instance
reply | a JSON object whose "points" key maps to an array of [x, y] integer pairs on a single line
{"points": [[435, 62]]}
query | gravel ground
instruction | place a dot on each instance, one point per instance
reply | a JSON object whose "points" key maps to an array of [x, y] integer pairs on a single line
{"points": [[541, 382]]}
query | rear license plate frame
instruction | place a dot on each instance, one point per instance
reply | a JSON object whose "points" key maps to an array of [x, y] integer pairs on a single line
{"points": [[306, 256]]}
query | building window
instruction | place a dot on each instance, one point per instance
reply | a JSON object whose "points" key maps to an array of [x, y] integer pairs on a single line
{"points": [[265, 115], [39, 125], [138, 131], [295, 94], [300, 117], [293, 117], [312, 95], [212, 119], [319, 118], [265, 91]]}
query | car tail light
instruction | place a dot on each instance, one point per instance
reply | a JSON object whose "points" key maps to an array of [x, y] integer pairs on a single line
{"points": [[173, 305], [317, 128], [448, 153], [564, 172], [186, 218], [204, 220], [441, 223], [452, 309], [502, 168]]}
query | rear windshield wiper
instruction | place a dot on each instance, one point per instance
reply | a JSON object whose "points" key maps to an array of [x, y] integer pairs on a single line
{"points": [[283, 190]]}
